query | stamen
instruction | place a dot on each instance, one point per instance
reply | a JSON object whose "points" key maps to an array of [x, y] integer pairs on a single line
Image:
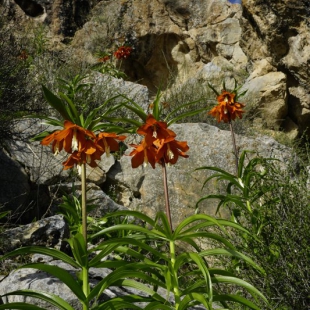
{"points": [[146, 160], [56, 148], [106, 147], [170, 153], [88, 158], [75, 142]]}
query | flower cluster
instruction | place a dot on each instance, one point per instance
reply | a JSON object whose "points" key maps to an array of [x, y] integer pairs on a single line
{"points": [[227, 109], [104, 58], [84, 146], [123, 52], [158, 145], [23, 55]]}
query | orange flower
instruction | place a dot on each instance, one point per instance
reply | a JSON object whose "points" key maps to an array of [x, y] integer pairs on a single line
{"points": [[87, 155], [227, 109], [72, 138], [143, 153], [106, 141], [56, 146], [153, 129], [104, 58], [169, 151], [23, 55], [123, 52]]}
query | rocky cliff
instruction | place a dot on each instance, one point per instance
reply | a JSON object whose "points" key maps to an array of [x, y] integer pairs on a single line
{"points": [[265, 45]]}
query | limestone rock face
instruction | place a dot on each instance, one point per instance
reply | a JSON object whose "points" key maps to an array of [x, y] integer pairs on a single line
{"points": [[174, 40], [267, 94], [49, 232], [279, 30]]}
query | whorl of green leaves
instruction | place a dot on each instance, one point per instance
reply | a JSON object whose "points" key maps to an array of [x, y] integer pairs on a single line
{"points": [[147, 254]]}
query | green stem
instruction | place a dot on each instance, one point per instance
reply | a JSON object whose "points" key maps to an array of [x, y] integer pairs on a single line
{"points": [[85, 273], [174, 274], [85, 277], [235, 147], [167, 204], [84, 212]]}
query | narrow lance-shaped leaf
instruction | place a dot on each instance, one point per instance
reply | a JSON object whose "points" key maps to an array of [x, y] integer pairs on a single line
{"points": [[50, 298], [55, 102], [62, 275]]}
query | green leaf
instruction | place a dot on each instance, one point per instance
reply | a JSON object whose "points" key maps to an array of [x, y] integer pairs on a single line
{"points": [[230, 252], [123, 120], [122, 302], [62, 275], [155, 305], [55, 102], [186, 114], [215, 91], [47, 120], [237, 299], [156, 103], [186, 301], [121, 277], [137, 111], [4, 214], [19, 305], [191, 219], [236, 281], [79, 250], [50, 298], [41, 250], [72, 107]]}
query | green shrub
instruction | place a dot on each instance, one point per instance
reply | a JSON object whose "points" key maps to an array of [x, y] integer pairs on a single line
{"points": [[271, 200]]}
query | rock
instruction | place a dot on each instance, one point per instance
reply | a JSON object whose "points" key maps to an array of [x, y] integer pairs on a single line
{"points": [[114, 87], [14, 189], [49, 232], [297, 59], [63, 17], [279, 31], [267, 95], [142, 188], [173, 40], [95, 195], [41, 164]]}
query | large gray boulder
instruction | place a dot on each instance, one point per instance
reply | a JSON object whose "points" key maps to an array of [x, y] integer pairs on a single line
{"points": [[49, 232], [142, 188]]}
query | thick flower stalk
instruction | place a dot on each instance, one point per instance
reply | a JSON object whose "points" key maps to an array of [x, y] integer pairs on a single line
{"points": [[227, 110], [158, 146]]}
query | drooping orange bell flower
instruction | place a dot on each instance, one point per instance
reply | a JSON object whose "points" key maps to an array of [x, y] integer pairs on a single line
{"points": [[169, 151], [143, 154], [87, 155], [56, 145], [153, 130], [104, 58], [107, 141], [227, 109], [72, 138], [123, 52]]}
